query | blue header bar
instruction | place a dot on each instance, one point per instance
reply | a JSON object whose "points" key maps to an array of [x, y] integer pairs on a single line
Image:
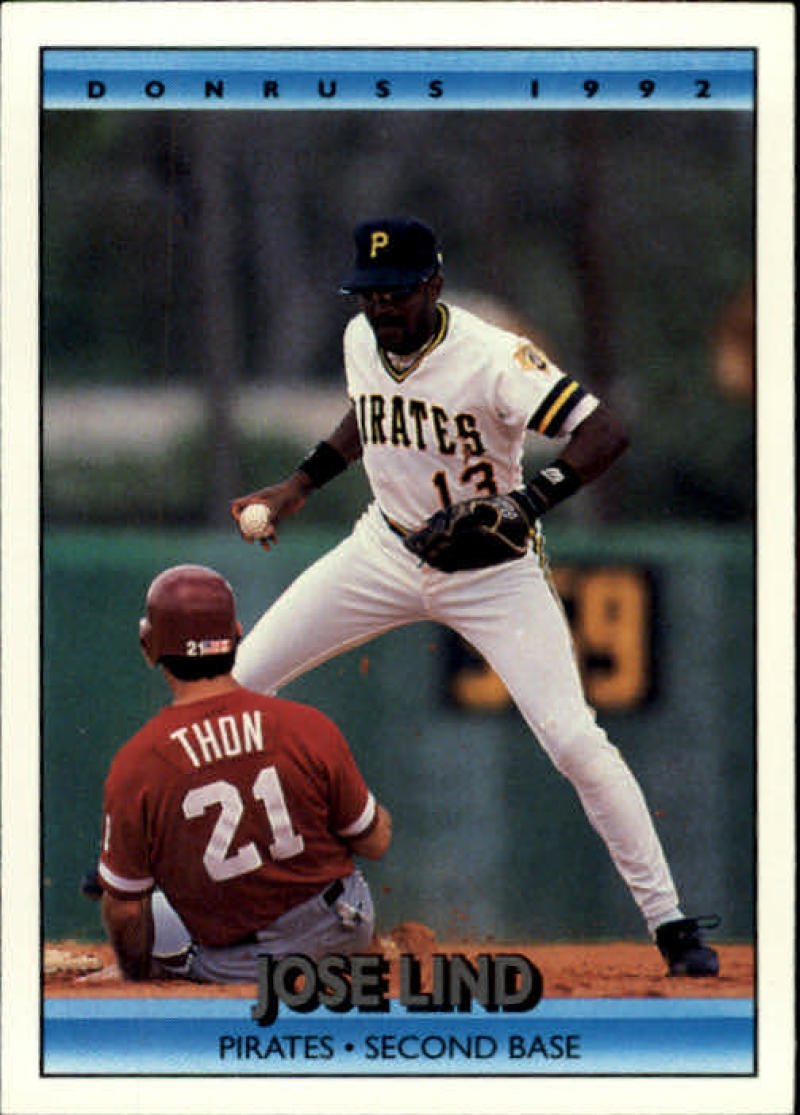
{"points": [[400, 79]]}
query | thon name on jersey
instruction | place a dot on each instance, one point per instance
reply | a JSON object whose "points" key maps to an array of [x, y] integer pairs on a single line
{"points": [[224, 737]]}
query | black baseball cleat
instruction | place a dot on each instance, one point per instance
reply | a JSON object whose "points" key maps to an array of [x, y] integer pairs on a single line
{"points": [[90, 885], [681, 944]]}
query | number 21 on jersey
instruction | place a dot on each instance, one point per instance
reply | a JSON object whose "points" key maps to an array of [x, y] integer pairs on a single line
{"points": [[267, 789]]}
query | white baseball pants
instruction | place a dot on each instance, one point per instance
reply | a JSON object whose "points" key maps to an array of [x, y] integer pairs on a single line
{"points": [[370, 583]]}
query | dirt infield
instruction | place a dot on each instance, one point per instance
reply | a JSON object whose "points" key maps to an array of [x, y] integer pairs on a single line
{"points": [[620, 969]]}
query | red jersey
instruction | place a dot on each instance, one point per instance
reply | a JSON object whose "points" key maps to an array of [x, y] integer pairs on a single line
{"points": [[234, 806]]}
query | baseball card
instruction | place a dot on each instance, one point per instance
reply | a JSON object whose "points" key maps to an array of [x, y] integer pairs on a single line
{"points": [[397, 509]]}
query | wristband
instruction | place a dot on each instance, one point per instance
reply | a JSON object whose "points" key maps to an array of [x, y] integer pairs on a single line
{"points": [[322, 464], [552, 485]]}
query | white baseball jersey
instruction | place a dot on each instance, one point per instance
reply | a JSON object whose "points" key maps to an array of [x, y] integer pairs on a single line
{"points": [[449, 423]]}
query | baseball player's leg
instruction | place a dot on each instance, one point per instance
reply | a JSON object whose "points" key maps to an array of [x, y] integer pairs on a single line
{"points": [[315, 928], [172, 942], [356, 591], [524, 636]]}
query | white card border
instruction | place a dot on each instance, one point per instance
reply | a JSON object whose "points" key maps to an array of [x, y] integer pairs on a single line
{"points": [[26, 27]]}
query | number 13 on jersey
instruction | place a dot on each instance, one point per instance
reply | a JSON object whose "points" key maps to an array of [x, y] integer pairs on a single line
{"points": [[480, 475]]}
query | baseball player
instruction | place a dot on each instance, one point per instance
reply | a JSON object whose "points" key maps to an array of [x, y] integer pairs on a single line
{"points": [[230, 820], [440, 403]]}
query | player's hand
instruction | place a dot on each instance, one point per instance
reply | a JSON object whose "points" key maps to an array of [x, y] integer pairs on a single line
{"points": [[283, 499]]}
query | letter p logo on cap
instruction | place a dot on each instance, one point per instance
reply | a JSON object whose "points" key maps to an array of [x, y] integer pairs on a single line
{"points": [[378, 240]]}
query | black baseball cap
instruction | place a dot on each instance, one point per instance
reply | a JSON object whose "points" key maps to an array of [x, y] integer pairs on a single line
{"points": [[392, 254]]}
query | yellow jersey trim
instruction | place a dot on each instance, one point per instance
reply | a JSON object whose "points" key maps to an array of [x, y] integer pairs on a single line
{"points": [[559, 402]]}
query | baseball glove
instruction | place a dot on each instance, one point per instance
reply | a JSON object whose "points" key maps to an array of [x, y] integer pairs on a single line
{"points": [[475, 534]]}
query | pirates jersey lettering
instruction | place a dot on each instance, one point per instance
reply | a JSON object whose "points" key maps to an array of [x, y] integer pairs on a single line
{"points": [[418, 413], [468, 431], [444, 443], [459, 415], [377, 411], [412, 415], [399, 431]]}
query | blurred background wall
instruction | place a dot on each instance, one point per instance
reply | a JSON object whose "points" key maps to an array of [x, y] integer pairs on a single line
{"points": [[191, 336], [202, 252]]}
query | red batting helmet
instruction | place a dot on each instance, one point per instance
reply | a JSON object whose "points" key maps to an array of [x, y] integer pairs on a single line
{"points": [[190, 613]]}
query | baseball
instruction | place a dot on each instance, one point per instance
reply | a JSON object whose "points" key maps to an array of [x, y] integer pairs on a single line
{"points": [[254, 520]]}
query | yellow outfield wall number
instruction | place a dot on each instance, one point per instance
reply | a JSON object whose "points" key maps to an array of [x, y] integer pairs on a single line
{"points": [[610, 612]]}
